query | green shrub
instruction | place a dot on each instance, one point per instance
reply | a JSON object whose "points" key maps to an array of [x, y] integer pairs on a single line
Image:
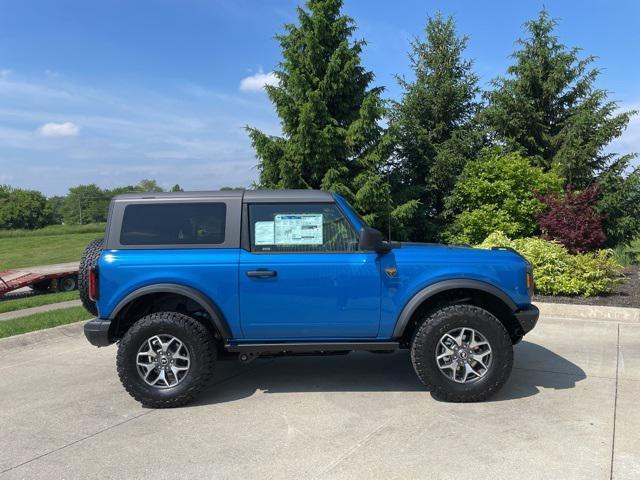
{"points": [[626, 255], [498, 192], [557, 272], [472, 225]]}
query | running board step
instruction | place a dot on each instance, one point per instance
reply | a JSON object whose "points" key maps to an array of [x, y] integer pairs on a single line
{"points": [[260, 348]]}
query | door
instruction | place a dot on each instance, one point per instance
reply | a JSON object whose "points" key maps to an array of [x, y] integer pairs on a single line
{"points": [[304, 277]]}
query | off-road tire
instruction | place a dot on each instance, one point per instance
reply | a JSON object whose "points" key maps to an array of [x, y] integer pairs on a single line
{"points": [[197, 339], [425, 341], [87, 262]]}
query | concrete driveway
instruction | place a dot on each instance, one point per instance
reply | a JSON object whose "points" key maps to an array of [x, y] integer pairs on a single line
{"points": [[568, 411]]}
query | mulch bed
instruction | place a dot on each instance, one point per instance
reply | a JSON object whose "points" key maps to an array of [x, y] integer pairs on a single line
{"points": [[625, 295]]}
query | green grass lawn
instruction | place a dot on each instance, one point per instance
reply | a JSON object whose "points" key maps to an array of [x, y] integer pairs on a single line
{"points": [[40, 321], [38, 300], [54, 244]]}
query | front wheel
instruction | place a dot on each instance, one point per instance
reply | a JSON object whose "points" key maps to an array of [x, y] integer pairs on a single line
{"points": [[165, 359], [462, 353]]}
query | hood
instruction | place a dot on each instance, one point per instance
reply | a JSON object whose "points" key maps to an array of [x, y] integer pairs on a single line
{"points": [[452, 253]]}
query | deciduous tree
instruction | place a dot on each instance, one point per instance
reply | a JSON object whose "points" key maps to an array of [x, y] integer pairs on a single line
{"points": [[573, 219], [22, 208]]}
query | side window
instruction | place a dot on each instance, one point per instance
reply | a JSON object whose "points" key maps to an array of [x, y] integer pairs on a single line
{"points": [[173, 224], [310, 227]]}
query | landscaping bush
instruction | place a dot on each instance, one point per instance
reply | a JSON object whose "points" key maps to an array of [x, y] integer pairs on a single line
{"points": [[498, 192], [573, 220], [558, 272]]}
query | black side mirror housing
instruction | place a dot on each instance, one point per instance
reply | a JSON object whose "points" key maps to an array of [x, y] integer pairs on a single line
{"points": [[371, 240]]}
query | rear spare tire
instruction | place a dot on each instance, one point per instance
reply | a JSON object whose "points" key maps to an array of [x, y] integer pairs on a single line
{"points": [[87, 263]]}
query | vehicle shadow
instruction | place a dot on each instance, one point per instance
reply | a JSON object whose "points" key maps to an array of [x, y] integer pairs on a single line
{"points": [[535, 367], [538, 367]]}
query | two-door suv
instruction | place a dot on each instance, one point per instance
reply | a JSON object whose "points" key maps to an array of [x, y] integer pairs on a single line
{"points": [[183, 280]]}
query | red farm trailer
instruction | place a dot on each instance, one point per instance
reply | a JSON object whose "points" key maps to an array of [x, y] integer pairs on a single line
{"points": [[57, 278]]}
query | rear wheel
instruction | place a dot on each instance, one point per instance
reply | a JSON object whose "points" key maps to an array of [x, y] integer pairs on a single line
{"points": [[462, 353], [165, 359], [87, 263]]}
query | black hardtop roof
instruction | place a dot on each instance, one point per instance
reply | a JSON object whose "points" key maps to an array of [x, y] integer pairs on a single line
{"points": [[249, 196], [258, 196]]}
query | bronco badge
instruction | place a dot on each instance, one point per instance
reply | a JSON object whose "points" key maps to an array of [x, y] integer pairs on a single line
{"points": [[391, 271]]}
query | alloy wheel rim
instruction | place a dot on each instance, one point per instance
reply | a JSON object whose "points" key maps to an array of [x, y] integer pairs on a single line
{"points": [[464, 355], [163, 361]]}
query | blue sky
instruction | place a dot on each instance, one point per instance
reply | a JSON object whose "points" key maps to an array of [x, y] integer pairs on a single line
{"points": [[111, 92]]}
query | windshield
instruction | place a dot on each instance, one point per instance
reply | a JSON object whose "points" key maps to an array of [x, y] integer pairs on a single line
{"points": [[359, 217], [354, 217]]}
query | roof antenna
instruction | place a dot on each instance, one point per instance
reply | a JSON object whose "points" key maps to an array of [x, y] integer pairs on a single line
{"points": [[389, 207]]}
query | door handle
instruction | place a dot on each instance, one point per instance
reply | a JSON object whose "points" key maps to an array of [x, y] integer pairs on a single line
{"points": [[261, 273]]}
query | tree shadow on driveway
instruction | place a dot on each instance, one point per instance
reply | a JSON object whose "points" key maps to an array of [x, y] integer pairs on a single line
{"points": [[535, 367]]}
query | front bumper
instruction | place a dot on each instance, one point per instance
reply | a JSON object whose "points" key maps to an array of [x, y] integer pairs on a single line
{"points": [[97, 332], [527, 318]]}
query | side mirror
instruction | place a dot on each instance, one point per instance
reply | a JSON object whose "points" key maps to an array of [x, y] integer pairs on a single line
{"points": [[371, 239]]}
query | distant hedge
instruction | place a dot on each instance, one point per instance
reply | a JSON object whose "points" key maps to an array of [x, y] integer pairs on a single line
{"points": [[54, 230]]}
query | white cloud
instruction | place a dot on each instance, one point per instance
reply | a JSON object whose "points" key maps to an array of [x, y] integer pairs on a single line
{"points": [[257, 81], [66, 129], [194, 138]]}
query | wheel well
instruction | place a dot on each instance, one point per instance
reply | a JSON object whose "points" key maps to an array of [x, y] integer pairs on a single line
{"points": [[470, 296], [161, 302]]}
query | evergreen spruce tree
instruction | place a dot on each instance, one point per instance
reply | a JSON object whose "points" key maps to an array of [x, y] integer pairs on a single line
{"points": [[434, 123], [549, 109], [330, 116]]}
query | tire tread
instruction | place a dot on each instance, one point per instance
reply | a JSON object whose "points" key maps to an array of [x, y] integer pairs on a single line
{"points": [[427, 330], [200, 334], [87, 262]]}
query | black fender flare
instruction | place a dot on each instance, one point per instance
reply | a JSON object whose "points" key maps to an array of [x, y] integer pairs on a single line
{"points": [[211, 308], [412, 305]]}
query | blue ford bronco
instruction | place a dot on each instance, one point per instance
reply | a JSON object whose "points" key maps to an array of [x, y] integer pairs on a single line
{"points": [[183, 280]]}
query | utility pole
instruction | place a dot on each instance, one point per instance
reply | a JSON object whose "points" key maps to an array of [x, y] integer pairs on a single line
{"points": [[80, 209]]}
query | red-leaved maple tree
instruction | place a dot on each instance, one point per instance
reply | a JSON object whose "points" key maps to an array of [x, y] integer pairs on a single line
{"points": [[573, 219]]}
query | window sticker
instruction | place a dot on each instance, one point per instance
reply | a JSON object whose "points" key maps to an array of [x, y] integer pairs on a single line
{"points": [[264, 233], [298, 229]]}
